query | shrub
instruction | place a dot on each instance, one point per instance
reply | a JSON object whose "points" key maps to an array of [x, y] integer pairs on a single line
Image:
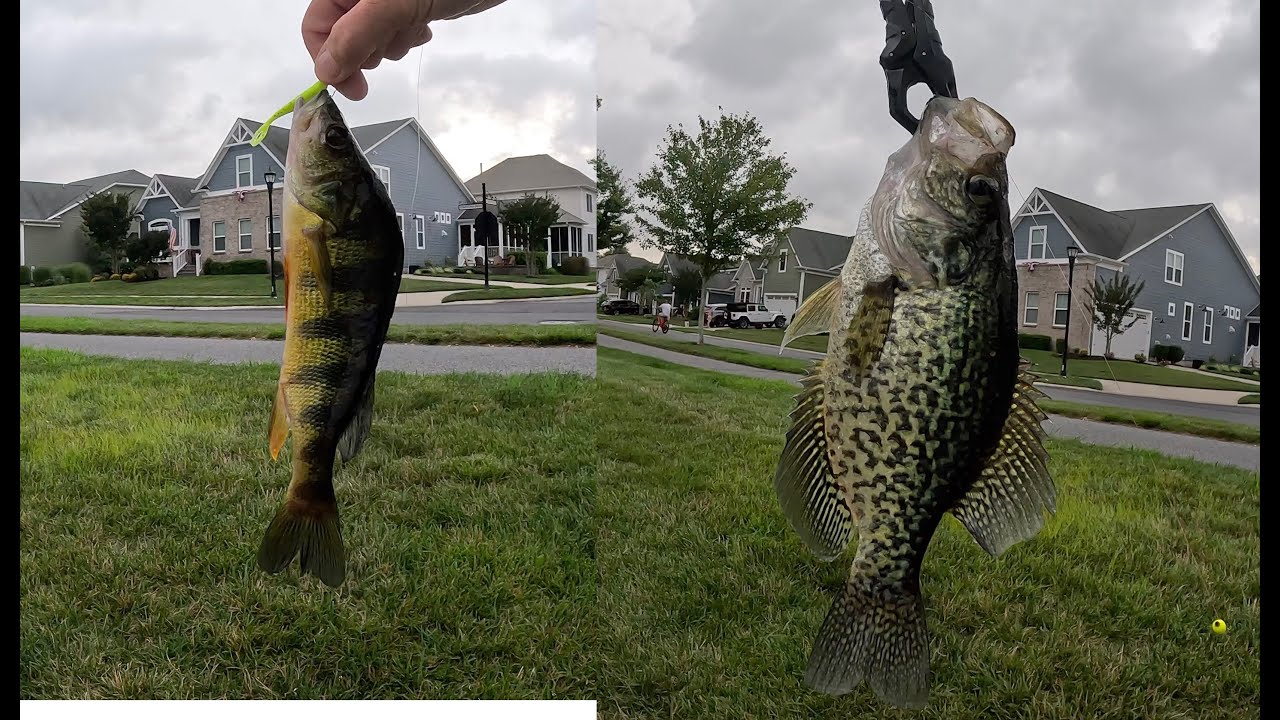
{"points": [[421, 271], [1246, 370], [1176, 353], [1059, 345], [1197, 364], [540, 259], [76, 272], [1030, 341], [129, 277], [40, 276], [250, 266], [1139, 358], [116, 276], [95, 278], [26, 275], [577, 265]]}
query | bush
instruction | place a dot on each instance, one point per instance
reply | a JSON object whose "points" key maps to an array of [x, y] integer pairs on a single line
{"points": [[76, 272], [539, 259], [1246, 370], [116, 276], [1029, 341], [129, 277], [250, 266], [1167, 353], [41, 275], [1197, 364], [1176, 353], [95, 278], [142, 273], [577, 265], [26, 275], [1139, 358]]}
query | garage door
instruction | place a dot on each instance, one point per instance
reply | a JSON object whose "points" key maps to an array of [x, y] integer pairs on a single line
{"points": [[1137, 339], [785, 304]]}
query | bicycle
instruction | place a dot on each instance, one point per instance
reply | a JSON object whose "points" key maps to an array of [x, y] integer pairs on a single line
{"points": [[660, 322]]}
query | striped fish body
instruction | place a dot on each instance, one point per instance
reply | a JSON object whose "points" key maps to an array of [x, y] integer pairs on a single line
{"points": [[343, 257]]}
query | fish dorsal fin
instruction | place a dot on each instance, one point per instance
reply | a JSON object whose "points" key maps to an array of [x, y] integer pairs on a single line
{"points": [[806, 488], [279, 426], [357, 429], [816, 314], [1006, 505]]}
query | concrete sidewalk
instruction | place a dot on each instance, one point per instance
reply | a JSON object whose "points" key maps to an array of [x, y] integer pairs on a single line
{"points": [[1170, 392], [495, 281]]}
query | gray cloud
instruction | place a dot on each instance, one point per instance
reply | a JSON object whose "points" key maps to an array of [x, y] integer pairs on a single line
{"points": [[1157, 105]]}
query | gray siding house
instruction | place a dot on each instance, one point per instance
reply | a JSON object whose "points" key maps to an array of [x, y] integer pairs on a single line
{"points": [[49, 224], [719, 287], [611, 268], [226, 217], [796, 266], [1199, 289]]}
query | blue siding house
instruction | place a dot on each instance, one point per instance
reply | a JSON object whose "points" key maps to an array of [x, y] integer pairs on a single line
{"points": [[1199, 290]]}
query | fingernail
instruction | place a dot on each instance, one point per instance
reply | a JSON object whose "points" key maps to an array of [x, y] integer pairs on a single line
{"points": [[326, 68]]}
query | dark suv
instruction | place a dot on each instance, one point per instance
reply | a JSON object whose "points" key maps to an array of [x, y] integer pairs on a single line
{"points": [[622, 307]]}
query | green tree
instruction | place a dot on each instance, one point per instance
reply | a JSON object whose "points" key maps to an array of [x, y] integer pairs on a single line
{"points": [[145, 248], [1112, 301], [613, 205], [712, 197], [529, 219], [105, 219], [686, 283], [635, 278]]}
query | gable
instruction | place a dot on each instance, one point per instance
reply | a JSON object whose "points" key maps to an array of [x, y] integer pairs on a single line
{"points": [[1211, 256], [400, 145], [221, 173]]}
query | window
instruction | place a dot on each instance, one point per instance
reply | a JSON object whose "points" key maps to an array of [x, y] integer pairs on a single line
{"points": [[420, 232], [219, 236], [384, 174], [275, 232], [465, 233], [244, 171], [400, 223], [1060, 310], [559, 245], [1036, 243], [575, 241], [590, 204], [1186, 320], [1173, 309], [745, 294], [160, 224], [246, 235], [1207, 338], [591, 243], [782, 261], [1031, 309], [1173, 267]]}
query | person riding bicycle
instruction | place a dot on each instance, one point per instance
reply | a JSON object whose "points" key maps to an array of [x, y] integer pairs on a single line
{"points": [[664, 314]]}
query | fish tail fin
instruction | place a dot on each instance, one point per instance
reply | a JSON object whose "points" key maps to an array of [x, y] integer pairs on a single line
{"points": [[306, 525], [874, 633]]}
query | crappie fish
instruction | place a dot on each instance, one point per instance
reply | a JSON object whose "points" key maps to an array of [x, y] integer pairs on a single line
{"points": [[922, 405], [343, 253]]}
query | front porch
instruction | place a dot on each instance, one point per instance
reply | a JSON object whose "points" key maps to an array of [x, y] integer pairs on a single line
{"points": [[563, 240]]}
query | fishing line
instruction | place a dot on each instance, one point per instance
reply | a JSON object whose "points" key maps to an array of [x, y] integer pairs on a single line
{"points": [[417, 163]]}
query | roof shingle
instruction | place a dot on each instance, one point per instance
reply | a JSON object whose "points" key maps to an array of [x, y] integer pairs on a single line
{"points": [[529, 172]]}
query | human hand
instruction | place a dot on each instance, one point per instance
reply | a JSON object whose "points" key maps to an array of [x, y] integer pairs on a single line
{"points": [[346, 37]]}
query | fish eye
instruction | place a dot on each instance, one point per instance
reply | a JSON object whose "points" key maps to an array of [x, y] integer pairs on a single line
{"points": [[981, 189], [336, 137]]}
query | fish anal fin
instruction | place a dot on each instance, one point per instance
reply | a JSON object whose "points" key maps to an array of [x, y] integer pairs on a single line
{"points": [[279, 428], [357, 430]]}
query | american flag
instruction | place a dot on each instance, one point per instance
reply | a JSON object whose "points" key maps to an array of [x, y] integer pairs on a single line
{"points": [[173, 238]]}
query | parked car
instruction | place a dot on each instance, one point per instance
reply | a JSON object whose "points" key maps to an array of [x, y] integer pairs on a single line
{"points": [[715, 315], [745, 315], [622, 307]]}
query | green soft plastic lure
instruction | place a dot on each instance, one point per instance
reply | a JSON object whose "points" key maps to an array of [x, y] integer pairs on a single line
{"points": [[285, 109]]}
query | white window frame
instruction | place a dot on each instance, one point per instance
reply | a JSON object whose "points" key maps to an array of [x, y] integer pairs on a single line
{"points": [[216, 236], [1206, 333], [1173, 309], [1063, 310], [1027, 307], [590, 205], [241, 235], [380, 171], [420, 232], [159, 224], [1044, 242], [591, 242], [782, 261], [400, 222], [1175, 261], [240, 172], [274, 235], [1188, 320]]}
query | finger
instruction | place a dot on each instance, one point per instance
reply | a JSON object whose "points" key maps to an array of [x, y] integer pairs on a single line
{"points": [[355, 37], [318, 21], [407, 40], [355, 87]]}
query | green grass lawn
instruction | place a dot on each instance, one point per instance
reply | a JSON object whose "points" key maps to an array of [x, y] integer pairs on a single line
{"points": [[1187, 425], [1233, 371], [1250, 399], [710, 602], [514, 293], [765, 336], [715, 352], [1129, 371], [536, 279], [186, 291], [538, 335], [1070, 381], [145, 488]]}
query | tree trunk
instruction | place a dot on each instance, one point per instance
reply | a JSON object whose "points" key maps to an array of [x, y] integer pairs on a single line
{"points": [[702, 316]]}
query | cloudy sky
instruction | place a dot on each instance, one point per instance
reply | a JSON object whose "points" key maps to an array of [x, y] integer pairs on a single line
{"points": [[1152, 105], [156, 84]]}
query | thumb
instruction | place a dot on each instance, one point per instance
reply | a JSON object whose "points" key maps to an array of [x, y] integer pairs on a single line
{"points": [[355, 37]]}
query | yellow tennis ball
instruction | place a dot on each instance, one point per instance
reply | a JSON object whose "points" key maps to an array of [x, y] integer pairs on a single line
{"points": [[1219, 626]]}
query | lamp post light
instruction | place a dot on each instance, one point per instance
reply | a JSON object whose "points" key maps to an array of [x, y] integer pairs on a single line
{"points": [[270, 178], [1066, 333]]}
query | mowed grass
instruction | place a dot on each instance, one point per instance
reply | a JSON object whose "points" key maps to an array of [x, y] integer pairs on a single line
{"points": [[710, 602], [535, 335], [1130, 371], [146, 487], [1069, 381], [715, 352], [203, 291], [536, 279], [1187, 425], [514, 293], [1250, 399], [765, 336]]}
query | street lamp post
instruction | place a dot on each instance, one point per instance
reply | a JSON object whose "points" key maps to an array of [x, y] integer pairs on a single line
{"points": [[270, 177], [1066, 333]]}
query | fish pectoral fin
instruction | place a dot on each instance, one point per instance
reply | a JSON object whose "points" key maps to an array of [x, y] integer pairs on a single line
{"points": [[803, 481], [279, 428], [1006, 505], [318, 250], [816, 314], [353, 437], [870, 327]]}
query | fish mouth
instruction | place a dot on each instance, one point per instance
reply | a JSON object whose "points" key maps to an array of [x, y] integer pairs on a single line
{"points": [[305, 112]]}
